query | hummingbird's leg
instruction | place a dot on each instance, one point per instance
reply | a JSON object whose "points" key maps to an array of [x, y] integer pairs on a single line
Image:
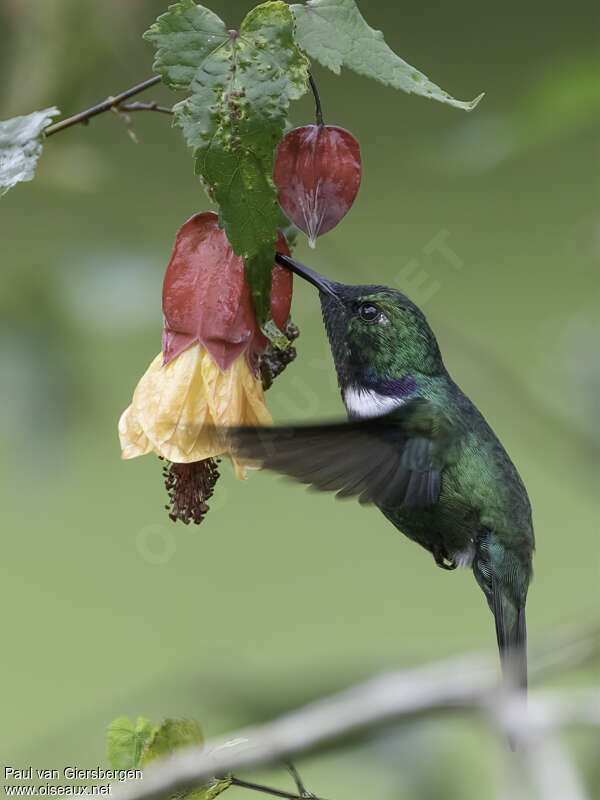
{"points": [[442, 559]]}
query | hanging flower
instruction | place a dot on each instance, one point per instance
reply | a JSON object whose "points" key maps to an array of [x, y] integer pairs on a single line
{"points": [[208, 373], [317, 171], [175, 406]]}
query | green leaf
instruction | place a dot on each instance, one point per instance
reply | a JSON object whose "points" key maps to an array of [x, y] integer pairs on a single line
{"points": [[126, 741], [174, 733], [335, 33], [21, 141], [170, 735], [241, 85], [131, 746]]}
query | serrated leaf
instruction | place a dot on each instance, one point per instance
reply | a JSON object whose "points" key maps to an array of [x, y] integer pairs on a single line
{"points": [[170, 735], [126, 741], [185, 36], [335, 33], [241, 84], [21, 141]]}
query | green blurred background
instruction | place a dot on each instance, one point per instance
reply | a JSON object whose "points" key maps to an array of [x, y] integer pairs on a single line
{"points": [[281, 595]]}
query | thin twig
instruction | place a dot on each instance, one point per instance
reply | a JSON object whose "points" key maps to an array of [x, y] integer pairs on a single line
{"points": [[315, 91], [258, 787], [111, 102], [298, 780], [152, 106]]}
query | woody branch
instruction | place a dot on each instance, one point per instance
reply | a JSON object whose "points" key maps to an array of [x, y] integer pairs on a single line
{"points": [[466, 684], [116, 102]]}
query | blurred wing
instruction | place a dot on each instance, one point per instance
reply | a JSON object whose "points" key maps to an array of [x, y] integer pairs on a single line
{"points": [[395, 459]]}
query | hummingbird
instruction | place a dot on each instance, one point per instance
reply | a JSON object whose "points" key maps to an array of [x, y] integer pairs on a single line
{"points": [[414, 446]]}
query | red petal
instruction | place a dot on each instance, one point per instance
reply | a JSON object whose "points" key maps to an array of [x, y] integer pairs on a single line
{"points": [[317, 171], [174, 343], [206, 297]]}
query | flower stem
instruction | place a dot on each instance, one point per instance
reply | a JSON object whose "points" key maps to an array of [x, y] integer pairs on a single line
{"points": [[315, 91]]}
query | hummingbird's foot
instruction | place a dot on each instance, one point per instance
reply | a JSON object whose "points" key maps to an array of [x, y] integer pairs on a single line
{"points": [[443, 561]]}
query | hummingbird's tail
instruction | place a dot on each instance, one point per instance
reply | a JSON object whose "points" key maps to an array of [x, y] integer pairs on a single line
{"points": [[511, 633], [504, 580]]}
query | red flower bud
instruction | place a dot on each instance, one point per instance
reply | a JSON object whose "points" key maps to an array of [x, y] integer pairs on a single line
{"points": [[206, 297], [317, 171]]}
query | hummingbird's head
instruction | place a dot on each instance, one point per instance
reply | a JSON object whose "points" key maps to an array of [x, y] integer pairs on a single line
{"points": [[380, 339]]}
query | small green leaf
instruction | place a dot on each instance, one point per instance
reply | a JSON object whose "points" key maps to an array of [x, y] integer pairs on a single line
{"points": [[21, 141], [126, 741], [131, 746], [171, 734], [241, 85], [175, 733], [335, 33], [275, 336]]}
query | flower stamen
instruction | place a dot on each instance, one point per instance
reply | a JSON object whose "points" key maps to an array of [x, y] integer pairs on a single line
{"points": [[189, 487]]}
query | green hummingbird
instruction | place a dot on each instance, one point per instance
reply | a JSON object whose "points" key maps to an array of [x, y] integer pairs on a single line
{"points": [[415, 446]]}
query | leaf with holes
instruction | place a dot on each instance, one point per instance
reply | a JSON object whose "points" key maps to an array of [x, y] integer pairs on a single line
{"points": [[335, 33], [241, 84], [21, 142]]}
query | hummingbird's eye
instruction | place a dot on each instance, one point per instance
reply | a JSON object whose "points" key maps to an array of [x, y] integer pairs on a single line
{"points": [[368, 312]]}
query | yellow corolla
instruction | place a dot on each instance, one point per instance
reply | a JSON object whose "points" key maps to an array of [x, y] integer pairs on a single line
{"points": [[175, 407]]}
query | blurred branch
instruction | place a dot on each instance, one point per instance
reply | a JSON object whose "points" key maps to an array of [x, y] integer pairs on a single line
{"points": [[465, 684], [551, 770], [107, 105], [370, 705]]}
